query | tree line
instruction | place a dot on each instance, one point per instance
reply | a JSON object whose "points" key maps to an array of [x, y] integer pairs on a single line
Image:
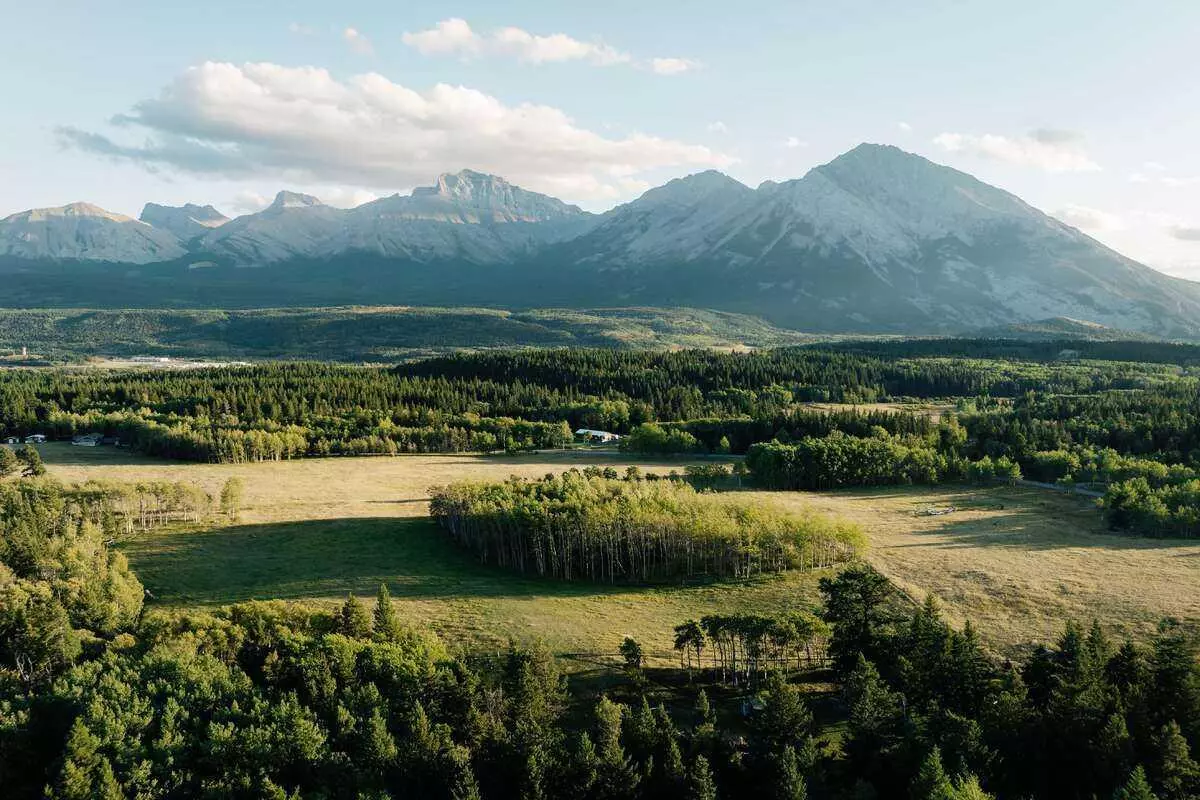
{"points": [[525, 399]]}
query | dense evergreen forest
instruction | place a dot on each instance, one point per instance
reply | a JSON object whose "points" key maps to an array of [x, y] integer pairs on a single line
{"points": [[604, 528], [1123, 425], [100, 699]]}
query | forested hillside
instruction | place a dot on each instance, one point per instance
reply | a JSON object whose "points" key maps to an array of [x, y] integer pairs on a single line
{"points": [[367, 334], [98, 699]]}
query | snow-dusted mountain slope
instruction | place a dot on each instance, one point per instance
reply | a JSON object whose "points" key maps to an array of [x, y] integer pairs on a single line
{"points": [[467, 215], [293, 226], [184, 221], [674, 221], [876, 240], [84, 232]]}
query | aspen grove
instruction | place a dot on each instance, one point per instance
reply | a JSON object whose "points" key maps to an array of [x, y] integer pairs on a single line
{"points": [[579, 526]]}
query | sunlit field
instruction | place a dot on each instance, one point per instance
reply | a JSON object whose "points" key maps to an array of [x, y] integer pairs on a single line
{"points": [[1017, 562]]}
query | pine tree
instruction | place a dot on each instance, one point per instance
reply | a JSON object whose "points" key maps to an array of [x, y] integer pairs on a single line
{"points": [[617, 777], [387, 624], [1176, 774], [785, 720], [1136, 788], [968, 788], [931, 781], [354, 620], [461, 778], [789, 783], [700, 783]]}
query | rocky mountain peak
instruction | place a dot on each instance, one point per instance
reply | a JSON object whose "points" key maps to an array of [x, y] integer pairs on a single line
{"points": [[286, 199], [184, 221], [474, 196], [699, 187]]}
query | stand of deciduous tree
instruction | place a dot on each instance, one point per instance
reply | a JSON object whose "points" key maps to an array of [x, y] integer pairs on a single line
{"points": [[576, 526]]}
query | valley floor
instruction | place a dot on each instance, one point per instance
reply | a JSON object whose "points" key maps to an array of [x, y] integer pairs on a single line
{"points": [[1017, 562]]}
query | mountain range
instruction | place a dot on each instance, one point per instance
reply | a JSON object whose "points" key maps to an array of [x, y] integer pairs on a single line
{"points": [[877, 240]]}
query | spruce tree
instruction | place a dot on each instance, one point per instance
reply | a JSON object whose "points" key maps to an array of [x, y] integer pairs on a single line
{"points": [[1136, 788], [789, 782], [931, 781], [1176, 773], [354, 620], [700, 783], [387, 624]]}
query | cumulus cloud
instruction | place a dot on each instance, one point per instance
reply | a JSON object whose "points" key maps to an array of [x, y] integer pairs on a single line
{"points": [[1089, 219], [300, 29], [302, 125], [248, 202], [904, 126], [673, 66], [456, 37], [449, 37], [1045, 148], [358, 43], [793, 142], [717, 127]]}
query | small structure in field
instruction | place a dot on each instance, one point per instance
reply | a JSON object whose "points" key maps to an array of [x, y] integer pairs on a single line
{"points": [[12, 440], [596, 437], [35, 438], [87, 440]]}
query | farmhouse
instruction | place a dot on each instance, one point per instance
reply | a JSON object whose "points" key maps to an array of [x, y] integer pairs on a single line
{"points": [[596, 437]]}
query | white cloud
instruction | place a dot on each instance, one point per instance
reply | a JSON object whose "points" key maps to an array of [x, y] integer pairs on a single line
{"points": [[248, 202], [449, 37], [1089, 219], [302, 125], [673, 66], [793, 142], [1154, 172], [1185, 233], [358, 43], [904, 126], [1045, 149], [717, 127], [456, 37], [556, 47], [300, 29]]}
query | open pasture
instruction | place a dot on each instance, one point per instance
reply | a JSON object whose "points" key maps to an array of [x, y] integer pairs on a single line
{"points": [[1017, 562]]}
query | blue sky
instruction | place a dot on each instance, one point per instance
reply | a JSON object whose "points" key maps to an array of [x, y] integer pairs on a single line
{"points": [[1088, 110]]}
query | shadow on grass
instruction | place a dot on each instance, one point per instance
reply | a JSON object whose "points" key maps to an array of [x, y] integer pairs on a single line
{"points": [[327, 558], [1033, 519]]}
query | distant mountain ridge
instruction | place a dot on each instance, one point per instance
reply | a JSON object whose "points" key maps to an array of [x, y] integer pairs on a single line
{"points": [[877, 240]]}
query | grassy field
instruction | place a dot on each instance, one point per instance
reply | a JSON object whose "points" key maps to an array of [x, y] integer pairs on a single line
{"points": [[1017, 562]]}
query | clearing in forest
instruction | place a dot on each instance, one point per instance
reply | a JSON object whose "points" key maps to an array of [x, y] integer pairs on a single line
{"points": [[1017, 562]]}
